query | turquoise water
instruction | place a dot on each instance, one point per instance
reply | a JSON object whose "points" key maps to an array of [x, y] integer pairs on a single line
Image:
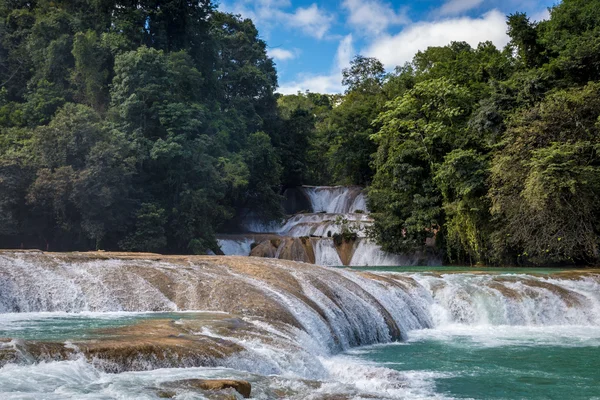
{"points": [[499, 362], [491, 337], [67, 326]]}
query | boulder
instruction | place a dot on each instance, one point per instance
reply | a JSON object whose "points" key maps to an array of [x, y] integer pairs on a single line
{"points": [[297, 249], [265, 249], [242, 387]]}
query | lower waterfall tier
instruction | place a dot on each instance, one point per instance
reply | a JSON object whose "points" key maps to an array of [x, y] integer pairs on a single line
{"points": [[343, 308], [277, 323]]}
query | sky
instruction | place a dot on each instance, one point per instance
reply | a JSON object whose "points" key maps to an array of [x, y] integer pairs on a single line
{"points": [[313, 41]]}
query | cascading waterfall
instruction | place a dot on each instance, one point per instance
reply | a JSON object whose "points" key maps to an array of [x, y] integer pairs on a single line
{"points": [[333, 208], [295, 318], [516, 300], [336, 199], [39, 283], [236, 247], [325, 253]]}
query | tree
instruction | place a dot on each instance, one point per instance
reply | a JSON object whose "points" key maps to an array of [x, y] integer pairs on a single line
{"points": [[544, 183], [524, 37], [417, 131], [364, 74]]}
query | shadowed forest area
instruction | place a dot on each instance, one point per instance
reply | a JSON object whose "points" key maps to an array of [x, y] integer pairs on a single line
{"points": [[142, 125]]}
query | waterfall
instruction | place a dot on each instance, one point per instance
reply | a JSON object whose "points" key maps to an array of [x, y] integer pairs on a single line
{"points": [[311, 224], [326, 253], [283, 322], [32, 282], [518, 300], [336, 199], [334, 208], [236, 247], [368, 253]]}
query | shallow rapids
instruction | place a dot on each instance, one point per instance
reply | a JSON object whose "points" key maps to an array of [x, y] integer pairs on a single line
{"points": [[298, 331]]}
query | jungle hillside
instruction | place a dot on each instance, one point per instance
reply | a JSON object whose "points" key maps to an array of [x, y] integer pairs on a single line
{"points": [[145, 125]]}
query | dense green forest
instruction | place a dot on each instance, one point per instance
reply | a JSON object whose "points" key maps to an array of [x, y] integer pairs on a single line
{"points": [[149, 126]]}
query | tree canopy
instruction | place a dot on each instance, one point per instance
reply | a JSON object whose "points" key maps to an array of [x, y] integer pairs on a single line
{"points": [[151, 126], [140, 125]]}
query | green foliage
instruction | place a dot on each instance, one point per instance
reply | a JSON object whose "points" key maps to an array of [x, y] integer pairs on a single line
{"points": [[348, 231], [364, 74], [149, 234], [495, 153], [304, 139], [261, 194], [150, 127], [136, 125], [545, 182], [348, 130], [417, 130]]}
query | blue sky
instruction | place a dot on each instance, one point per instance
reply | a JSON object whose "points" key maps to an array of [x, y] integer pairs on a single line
{"points": [[312, 41]]}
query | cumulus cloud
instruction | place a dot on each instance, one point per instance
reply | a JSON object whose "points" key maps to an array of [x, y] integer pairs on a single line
{"points": [[282, 54], [397, 49], [453, 7], [543, 15], [326, 83], [311, 20], [373, 16]]}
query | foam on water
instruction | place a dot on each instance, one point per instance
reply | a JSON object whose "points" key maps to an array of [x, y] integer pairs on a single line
{"points": [[236, 247], [336, 311], [508, 335]]}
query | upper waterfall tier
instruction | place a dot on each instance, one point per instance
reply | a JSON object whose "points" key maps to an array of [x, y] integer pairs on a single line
{"points": [[336, 199], [319, 213]]}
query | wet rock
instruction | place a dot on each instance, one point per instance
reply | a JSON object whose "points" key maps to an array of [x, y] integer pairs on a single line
{"points": [[346, 250], [242, 387], [297, 249], [264, 249]]}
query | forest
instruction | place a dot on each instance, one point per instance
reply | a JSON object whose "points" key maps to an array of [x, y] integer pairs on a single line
{"points": [[146, 125]]}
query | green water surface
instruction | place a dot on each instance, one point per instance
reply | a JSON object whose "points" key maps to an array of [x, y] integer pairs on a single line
{"points": [[525, 370], [65, 326]]}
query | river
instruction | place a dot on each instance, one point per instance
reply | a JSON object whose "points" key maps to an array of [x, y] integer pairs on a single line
{"points": [[74, 326]]}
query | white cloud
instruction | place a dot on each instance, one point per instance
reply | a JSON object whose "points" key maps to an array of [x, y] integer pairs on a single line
{"points": [[282, 54], [312, 20], [453, 7], [400, 48], [543, 15], [373, 16], [344, 53], [329, 83]]}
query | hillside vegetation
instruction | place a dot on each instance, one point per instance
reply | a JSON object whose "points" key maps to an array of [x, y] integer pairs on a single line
{"points": [[150, 126]]}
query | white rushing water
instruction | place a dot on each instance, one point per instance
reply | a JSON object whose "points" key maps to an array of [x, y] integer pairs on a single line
{"points": [[336, 199], [236, 247], [335, 209], [326, 254], [368, 253], [319, 224], [346, 309]]}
